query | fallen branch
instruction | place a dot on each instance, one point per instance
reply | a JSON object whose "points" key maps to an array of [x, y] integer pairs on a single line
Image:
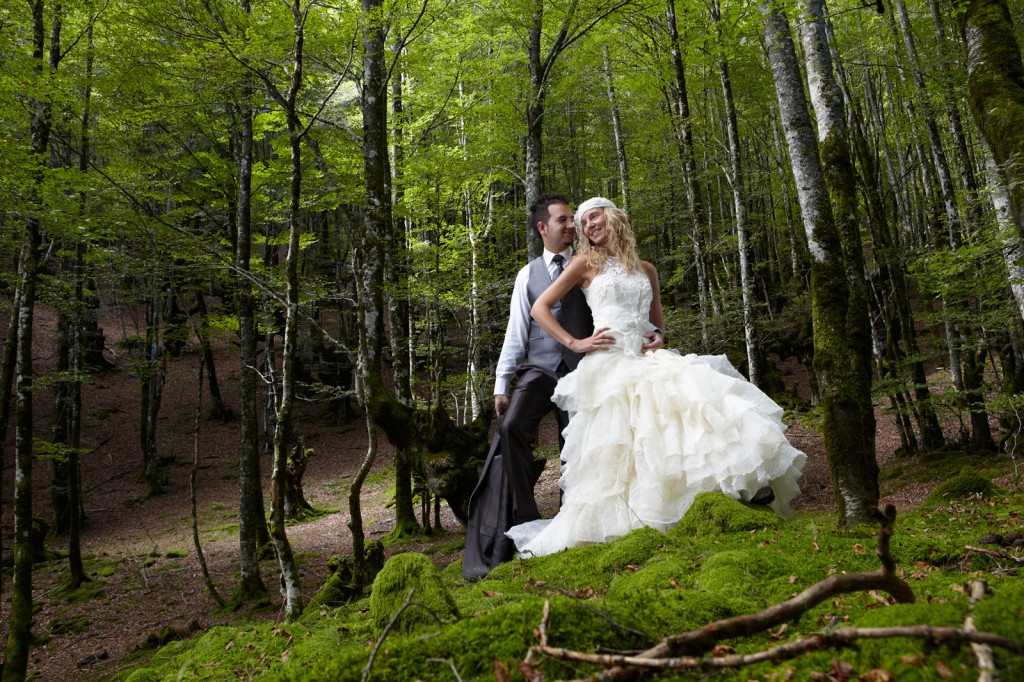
{"points": [[688, 646], [998, 554], [976, 590], [840, 638]]}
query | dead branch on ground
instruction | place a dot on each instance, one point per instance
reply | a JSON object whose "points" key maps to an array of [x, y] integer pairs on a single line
{"points": [[684, 651]]}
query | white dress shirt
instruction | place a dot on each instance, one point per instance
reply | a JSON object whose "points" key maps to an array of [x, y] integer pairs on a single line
{"points": [[513, 350]]}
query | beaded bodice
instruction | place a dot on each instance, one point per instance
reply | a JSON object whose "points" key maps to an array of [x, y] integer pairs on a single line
{"points": [[621, 302]]}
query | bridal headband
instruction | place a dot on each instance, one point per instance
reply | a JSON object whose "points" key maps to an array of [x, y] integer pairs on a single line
{"points": [[596, 202]]}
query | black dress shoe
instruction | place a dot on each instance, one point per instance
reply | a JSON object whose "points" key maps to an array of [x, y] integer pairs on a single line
{"points": [[764, 495]]}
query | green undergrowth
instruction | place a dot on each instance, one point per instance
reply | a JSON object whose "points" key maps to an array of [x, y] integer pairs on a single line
{"points": [[723, 560]]}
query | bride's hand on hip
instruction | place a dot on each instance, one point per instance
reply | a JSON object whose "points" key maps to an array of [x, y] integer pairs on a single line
{"points": [[598, 341], [654, 341]]}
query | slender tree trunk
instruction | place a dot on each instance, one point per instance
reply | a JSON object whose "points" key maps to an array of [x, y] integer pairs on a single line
{"points": [[851, 461], [218, 410], [534, 121], [19, 633], [151, 390], [291, 589], [369, 258], [76, 567], [1009, 225], [937, 162], [193, 488], [251, 514], [691, 182], [397, 259], [620, 144], [736, 181]]}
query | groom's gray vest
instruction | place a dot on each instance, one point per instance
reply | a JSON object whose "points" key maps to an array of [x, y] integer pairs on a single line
{"points": [[571, 312]]}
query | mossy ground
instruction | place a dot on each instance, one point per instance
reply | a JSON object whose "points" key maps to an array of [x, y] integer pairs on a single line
{"points": [[723, 560]]}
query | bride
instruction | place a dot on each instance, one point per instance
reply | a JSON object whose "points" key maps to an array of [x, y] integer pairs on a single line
{"points": [[648, 430]]}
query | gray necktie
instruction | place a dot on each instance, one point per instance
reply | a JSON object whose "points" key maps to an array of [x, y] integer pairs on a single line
{"points": [[559, 261]]}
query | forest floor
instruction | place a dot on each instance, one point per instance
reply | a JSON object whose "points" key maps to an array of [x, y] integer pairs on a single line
{"points": [[147, 583]]}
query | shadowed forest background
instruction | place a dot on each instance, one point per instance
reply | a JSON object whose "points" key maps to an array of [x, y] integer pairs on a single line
{"points": [[325, 205]]}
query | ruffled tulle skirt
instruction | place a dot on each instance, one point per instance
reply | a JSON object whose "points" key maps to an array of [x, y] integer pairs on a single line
{"points": [[649, 432]]}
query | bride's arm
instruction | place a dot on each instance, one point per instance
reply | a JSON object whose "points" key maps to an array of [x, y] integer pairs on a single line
{"points": [[655, 339], [576, 273]]}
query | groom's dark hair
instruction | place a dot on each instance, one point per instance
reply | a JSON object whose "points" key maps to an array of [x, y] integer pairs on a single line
{"points": [[539, 211]]}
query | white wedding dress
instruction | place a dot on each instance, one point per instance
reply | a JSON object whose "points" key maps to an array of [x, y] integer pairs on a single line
{"points": [[649, 431]]}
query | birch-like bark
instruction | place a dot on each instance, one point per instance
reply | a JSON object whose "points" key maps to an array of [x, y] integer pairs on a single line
{"points": [[940, 166], [620, 143], [851, 458], [995, 88], [687, 159], [837, 167], [736, 180]]}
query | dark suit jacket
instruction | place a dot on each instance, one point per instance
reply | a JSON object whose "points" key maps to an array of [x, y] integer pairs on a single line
{"points": [[491, 513]]}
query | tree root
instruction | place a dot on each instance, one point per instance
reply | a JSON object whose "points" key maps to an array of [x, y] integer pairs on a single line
{"points": [[685, 651]]}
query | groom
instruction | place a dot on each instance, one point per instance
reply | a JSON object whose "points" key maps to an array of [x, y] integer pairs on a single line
{"points": [[504, 495]]}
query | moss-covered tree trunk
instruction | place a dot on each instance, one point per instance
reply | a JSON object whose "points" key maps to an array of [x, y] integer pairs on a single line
{"points": [[839, 176], [374, 231], [995, 86], [851, 461]]}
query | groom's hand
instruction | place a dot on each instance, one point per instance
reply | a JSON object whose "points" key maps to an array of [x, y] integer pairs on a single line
{"points": [[500, 404]]}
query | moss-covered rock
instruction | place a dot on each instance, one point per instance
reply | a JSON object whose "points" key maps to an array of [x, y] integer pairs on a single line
{"points": [[632, 550], [968, 482], [430, 601], [715, 513], [341, 585]]}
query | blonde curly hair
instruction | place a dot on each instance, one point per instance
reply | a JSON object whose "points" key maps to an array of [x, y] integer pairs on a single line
{"points": [[621, 241]]}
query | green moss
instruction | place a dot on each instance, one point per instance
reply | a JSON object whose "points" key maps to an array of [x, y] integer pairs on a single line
{"points": [[431, 600], [965, 484], [714, 513], [628, 594]]}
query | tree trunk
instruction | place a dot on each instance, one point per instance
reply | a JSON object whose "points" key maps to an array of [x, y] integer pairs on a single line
{"points": [[689, 166], [218, 410], [620, 144], [397, 258], [369, 258], [290, 587], [151, 391], [838, 172], [534, 122], [851, 462], [736, 180], [937, 163], [995, 89], [251, 514], [19, 633]]}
